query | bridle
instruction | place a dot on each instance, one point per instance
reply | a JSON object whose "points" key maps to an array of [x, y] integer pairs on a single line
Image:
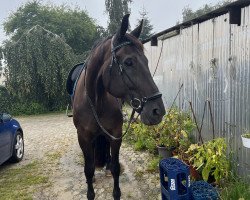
{"points": [[136, 103]]}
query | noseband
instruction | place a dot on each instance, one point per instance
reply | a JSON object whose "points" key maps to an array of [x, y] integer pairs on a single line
{"points": [[136, 103]]}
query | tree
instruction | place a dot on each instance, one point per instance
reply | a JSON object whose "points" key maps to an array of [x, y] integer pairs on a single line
{"points": [[116, 9], [36, 68], [1, 58], [189, 14], [78, 29], [147, 27]]}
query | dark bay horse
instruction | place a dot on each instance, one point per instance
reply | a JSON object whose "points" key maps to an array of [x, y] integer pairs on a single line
{"points": [[116, 69]]}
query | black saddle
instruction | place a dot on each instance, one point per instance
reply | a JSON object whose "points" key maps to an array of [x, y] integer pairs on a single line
{"points": [[73, 77]]}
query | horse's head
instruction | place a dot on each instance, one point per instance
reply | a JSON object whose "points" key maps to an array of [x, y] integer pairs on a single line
{"points": [[126, 75]]}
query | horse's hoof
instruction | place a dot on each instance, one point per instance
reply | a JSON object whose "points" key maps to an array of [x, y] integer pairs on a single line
{"points": [[108, 173], [91, 195], [117, 194]]}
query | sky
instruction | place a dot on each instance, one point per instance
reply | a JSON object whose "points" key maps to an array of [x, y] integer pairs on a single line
{"points": [[162, 14]]}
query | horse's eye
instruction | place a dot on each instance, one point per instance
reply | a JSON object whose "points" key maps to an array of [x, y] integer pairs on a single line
{"points": [[128, 62]]}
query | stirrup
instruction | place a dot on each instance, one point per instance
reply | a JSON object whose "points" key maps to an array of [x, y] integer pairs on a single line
{"points": [[67, 112]]}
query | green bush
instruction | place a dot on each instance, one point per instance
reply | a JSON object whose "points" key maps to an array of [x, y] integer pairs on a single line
{"points": [[14, 106], [174, 131], [5, 100], [144, 137], [27, 109]]}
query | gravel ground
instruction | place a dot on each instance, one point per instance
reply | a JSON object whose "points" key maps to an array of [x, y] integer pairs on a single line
{"points": [[52, 139]]}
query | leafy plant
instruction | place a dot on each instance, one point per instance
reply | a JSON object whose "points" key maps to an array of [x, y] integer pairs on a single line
{"points": [[144, 137], [246, 135], [210, 158], [173, 131], [235, 189]]}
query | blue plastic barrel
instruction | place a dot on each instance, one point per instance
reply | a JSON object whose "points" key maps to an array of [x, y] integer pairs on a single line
{"points": [[201, 190]]}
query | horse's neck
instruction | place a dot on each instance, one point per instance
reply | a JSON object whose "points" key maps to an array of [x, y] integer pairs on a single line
{"points": [[94, 83]]}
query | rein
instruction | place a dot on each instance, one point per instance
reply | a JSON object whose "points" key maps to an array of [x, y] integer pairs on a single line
{"points": [[136, 103], [101, 126]]}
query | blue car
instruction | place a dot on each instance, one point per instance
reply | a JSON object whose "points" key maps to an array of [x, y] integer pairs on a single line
{"points": [[11, 139]]}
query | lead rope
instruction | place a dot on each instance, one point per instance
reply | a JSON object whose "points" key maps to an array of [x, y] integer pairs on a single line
{"points": [[101, 126]]}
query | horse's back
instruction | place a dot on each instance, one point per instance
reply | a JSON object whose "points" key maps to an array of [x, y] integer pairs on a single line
{"points": [[73, 77]]}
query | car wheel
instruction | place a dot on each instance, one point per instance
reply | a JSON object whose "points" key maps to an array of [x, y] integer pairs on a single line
{"points": [[18, 148]]}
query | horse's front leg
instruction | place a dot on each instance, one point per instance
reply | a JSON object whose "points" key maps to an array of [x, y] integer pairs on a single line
{"points": [[89, 168], [115, 167], [108, 159]]}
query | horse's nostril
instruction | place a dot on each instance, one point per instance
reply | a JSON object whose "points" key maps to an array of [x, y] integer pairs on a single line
{"points": [[156, 111]]}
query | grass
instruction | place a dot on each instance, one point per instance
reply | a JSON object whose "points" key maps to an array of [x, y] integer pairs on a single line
{"points": [[236, 189], [138, 174], [153, 165], [129, 195], [17, 183], [54, 157]]}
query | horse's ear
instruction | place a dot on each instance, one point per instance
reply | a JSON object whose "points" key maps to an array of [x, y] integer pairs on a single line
{"points": [[137, 31], [123, 29]]}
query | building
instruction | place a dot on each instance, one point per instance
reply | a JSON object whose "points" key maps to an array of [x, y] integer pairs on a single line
{"points": [[207, 61]]}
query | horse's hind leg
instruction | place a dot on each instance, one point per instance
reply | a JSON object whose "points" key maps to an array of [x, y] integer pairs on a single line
{"points": [[115, 167], [89, 168]]}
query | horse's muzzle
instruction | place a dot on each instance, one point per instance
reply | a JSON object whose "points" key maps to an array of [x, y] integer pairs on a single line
{"points": [[153, 112]]}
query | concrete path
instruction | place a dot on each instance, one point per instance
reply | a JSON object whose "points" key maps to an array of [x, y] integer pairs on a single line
{"points": [[52, 139]]}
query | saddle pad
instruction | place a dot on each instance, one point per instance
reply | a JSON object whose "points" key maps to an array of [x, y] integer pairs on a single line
{"points": [[73, 76]]}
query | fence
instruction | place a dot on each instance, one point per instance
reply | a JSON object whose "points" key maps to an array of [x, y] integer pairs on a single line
{"points": [[212, 61]]}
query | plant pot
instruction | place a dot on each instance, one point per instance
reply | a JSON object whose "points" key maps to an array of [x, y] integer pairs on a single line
{"points": [[194, 173], [175, 152], [164, 152], [245, 141]]}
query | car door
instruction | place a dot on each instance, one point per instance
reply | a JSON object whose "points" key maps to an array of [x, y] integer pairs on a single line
{"points": [[5, 137]]}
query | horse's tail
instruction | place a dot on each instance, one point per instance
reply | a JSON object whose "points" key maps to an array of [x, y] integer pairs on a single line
{"points": [[101, 150]]}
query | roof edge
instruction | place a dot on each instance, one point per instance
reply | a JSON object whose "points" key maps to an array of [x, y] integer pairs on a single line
{"points": [[215, 13]]}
